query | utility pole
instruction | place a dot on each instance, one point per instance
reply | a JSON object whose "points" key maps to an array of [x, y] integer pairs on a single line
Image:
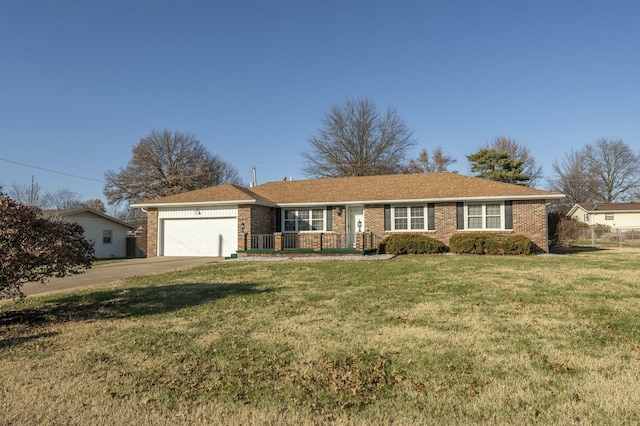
{"points": [[32, 200]]}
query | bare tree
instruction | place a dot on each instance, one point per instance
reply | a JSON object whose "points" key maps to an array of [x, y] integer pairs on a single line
{"points": [[437, 162], [28, 195], [96, 204], [356, 140], [604, 171], [571, 177], [615, 169], [61, 200], [518, 152], [166, 163], [127, 214]]}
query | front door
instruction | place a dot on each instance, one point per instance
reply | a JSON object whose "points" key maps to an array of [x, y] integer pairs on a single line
{"points": [[355, 223]]}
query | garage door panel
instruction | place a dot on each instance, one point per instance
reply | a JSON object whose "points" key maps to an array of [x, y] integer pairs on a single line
{"points": [[200, 237]]}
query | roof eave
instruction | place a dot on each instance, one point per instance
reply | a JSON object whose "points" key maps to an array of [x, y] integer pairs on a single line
{"points": [[72, 213], [203, 203], [546, 197]]}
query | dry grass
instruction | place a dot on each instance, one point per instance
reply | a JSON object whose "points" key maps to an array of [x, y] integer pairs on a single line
{"points": [[414, 340]]}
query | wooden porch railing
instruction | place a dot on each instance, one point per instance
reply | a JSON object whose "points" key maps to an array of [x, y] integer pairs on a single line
{"points": [[316, 241]]}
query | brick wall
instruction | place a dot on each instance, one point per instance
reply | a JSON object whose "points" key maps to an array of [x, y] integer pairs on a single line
{"points": [[339, 219], [152, 232], [263, 219], [257, 220], [374, 219], [529, 219], [445, 220]]}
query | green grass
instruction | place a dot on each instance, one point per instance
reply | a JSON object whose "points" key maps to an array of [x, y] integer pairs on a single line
{"points": [[413, 340]]}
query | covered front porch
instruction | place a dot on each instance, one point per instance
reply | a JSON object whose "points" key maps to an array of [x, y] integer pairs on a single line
{"points": [[308, 242]]}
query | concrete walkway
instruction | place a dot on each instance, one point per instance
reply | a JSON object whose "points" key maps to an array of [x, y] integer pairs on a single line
{"points": [[115, 271]]}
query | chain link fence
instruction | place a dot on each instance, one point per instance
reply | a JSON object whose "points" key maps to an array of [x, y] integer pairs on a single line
{"points": [[606, 236]]}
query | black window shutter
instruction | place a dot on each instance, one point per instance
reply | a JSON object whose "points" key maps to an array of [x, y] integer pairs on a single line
{"points": [[329, 218], [508, 215], [278, 220], [431, 217], [387, 217], [459, 215]]}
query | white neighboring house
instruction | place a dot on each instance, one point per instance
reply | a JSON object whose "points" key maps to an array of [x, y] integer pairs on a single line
{"points": [[107, 234], [613, 215]]}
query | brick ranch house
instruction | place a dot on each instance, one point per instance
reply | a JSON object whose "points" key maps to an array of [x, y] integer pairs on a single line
{"points": [[340, 214]]}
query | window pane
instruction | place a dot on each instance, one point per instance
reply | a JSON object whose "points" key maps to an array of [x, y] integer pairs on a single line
{"points": [[493, 222], [317, 219], [417, 223], [475, 223], [400, 223], [400, 215], [289, 220], [303, 220], [417, 211], [474, 210], [493, 209]]}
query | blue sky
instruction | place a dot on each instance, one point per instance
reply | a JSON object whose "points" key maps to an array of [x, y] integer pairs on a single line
{"points": [[82, 81]]}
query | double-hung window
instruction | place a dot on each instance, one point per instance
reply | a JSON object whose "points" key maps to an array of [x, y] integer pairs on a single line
{"points": [[485, 216], [408, 218], [107, 235], [296, 220]]}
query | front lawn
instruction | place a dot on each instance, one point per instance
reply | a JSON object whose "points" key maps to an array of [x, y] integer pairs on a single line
{"points": [[437, 339]]}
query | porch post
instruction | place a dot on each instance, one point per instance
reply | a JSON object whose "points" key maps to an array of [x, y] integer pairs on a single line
{"points": [[277, 241]]}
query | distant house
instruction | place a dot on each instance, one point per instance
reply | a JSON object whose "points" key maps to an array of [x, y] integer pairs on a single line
{"points": [[352, 213], [612, 215], [107, 234]]}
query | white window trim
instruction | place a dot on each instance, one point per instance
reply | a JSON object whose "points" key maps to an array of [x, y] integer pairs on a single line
{"points": [[409, 229], [110, 231], [484, 216], [310, 210], [609, 216]]}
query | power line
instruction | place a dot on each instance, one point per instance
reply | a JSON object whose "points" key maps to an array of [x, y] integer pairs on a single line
{"points": [[52, 171], [168, 178]]}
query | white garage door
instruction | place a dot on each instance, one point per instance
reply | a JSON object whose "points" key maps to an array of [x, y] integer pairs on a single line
{"points": [[200, 237]]}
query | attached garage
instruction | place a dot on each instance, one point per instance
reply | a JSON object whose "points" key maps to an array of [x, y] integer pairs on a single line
{"points": [[198, 232], [206, 222]]}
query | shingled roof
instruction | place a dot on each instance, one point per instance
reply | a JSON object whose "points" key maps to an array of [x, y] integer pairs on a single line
{"points": [[421, 186], [609, 207], [219, 193], [70, 213], [442, 186]]}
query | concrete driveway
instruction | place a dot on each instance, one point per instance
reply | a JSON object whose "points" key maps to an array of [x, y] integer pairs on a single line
{"points": [[115, 271]]}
